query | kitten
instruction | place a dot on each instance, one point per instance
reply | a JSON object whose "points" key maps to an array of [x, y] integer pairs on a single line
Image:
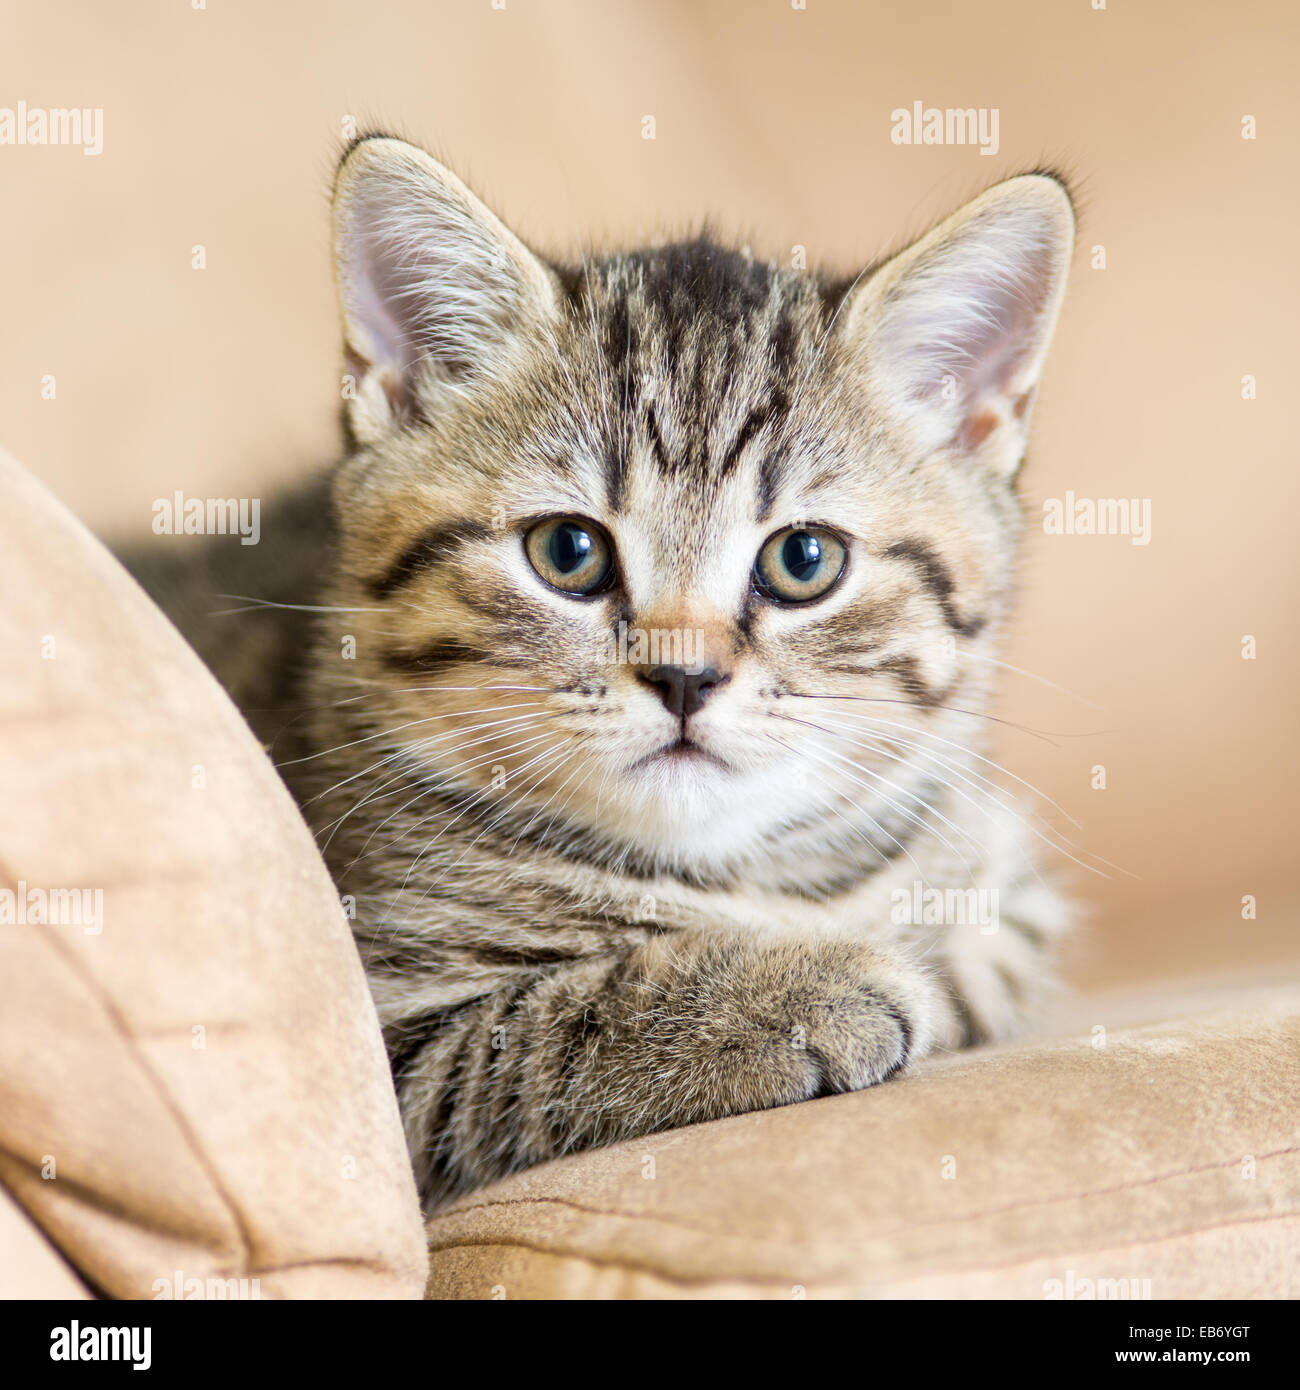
{"points": [[641, 725]]}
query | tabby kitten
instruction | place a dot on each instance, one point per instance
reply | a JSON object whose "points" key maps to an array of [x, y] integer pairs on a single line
{"points": [[640, 725]]}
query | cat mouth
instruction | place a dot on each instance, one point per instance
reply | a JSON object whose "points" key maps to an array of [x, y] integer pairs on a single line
{"points": [[680, 751]]}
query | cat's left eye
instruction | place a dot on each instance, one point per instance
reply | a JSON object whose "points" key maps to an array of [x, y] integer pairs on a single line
{"points": [[571, 554], [799, 564]]}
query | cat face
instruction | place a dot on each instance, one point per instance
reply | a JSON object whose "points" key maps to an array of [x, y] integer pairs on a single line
{"points": [[678, 552]]}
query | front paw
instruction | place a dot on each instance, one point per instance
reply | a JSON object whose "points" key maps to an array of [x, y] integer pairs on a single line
{"points": [[773, 1022], [856, 1016]]}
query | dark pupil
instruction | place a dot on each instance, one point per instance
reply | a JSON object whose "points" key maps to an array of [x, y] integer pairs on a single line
{"points": [[801, 555], [570, 547]]}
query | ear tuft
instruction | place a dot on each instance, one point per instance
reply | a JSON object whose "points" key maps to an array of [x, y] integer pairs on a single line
{"points": [[435, 290], [954, 330]]}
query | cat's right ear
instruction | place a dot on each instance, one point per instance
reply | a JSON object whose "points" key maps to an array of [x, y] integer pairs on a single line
{"points": [[435, 290]]}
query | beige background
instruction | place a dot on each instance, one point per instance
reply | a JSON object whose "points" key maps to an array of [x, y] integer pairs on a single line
{"points": [[221, 127]]}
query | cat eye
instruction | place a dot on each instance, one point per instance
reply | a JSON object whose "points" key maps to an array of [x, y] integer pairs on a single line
{"points": [[571, 554], [799, 564]]}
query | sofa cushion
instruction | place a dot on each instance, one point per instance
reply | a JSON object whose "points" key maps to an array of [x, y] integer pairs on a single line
{"points": [[30, 1267], [192, 1081], [1148, 1148]]}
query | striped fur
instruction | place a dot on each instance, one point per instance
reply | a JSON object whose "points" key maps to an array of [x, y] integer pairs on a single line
{"points": [[571, 937]]}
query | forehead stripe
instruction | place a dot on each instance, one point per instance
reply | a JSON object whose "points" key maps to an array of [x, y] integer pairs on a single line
{"points": [[757, 421]]}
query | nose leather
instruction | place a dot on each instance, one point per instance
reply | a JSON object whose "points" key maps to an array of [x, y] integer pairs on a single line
{"points": [[682, 691]]}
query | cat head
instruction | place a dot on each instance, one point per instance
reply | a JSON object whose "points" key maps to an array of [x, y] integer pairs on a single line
{"points": [[679, 550]]}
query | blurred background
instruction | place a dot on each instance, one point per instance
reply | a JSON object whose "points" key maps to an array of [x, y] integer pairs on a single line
{"points": [[222, 123]]}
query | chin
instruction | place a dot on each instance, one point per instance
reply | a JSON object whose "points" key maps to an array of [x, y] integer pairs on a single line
{"points": [[690, 808]]}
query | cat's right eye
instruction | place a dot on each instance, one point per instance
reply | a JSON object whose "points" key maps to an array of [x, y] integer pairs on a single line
{"points": [[571, 554]]}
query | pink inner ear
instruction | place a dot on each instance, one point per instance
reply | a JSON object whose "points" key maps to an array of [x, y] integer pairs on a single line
{"points": [[426, 283], [997, 320], [382, 293], [963, 327], [374, 302]]}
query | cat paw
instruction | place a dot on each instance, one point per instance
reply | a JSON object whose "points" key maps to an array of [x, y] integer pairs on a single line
{"points": [[784, 1021]]}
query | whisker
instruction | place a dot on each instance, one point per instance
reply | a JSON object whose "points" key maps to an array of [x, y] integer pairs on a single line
{"points": [[920, 820], [410, 724], [252, 604], [547, 757], [1061, 844], [952, 709], [463, 802], [1029, 675], [857, 832], [878, 744], [412, 768], [876, 720], [491, 756]]}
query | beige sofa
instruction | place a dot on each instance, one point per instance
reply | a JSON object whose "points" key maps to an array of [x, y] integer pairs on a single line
{"points": [[193, 1088]]}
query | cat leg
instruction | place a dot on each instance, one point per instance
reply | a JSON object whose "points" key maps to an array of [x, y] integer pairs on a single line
{"points": [[684, 1027]]}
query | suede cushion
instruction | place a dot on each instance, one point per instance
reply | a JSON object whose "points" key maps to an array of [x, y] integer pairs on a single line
{"points": [[191, 1081], [30, 1267], [1160, 1154]]}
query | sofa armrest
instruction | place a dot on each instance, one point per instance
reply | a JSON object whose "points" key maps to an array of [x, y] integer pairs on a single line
{"points": [[192, 1079]]}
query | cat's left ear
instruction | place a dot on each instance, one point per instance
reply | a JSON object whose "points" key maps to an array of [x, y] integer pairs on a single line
{"points": [[953, 331], [436, 291]]}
